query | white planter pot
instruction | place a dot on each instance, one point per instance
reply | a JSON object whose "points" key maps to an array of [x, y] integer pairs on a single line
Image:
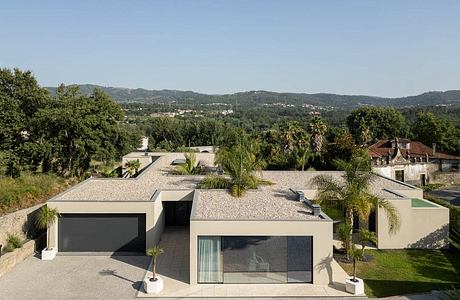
{"points": [[48, 254], [153, 287], [355, 288]]}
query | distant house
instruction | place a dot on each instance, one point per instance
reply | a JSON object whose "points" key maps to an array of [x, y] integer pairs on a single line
{"points": [[410, 161]]}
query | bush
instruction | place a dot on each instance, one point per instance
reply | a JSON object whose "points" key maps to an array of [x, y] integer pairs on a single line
{"points": [[14, 241], [8, 248], [432, 186]]}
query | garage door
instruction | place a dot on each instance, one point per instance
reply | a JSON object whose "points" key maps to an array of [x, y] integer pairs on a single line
{"points": [[115, 233]]}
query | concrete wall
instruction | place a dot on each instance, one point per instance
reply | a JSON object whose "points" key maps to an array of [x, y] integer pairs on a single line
{"points": [[320, 230], [147, 207], [18, 222], [421, 227]]}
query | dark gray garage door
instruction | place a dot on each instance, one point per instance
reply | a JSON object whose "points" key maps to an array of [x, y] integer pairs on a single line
{"points": [[118, 233]]}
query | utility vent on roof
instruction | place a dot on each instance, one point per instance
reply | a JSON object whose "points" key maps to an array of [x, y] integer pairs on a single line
{"points": [[179, 161]]}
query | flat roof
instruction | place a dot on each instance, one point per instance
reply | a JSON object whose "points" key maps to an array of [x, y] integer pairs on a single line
{"points": [[273, 202], [254, 205]]}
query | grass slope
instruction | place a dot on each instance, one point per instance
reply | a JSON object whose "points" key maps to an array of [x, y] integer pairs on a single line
{"points": [[28, 190], [399, 272]]}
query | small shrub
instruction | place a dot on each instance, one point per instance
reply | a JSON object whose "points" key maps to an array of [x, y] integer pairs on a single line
{"points": [[14, 241], [432, 186], [8, 248]]}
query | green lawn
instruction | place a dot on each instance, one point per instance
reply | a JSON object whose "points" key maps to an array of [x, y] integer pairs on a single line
{"points": [[398, 272]]}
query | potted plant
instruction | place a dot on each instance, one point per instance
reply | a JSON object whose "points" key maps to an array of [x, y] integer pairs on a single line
{"points": [[45, 219], [353, 284], [155, 283]]}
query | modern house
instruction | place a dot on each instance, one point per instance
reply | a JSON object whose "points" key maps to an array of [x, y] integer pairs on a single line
{"points": [[410, 161], [271, 235]]}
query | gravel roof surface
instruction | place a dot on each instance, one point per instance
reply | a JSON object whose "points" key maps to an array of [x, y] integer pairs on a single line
{"points": [[157, 177], [254, 205]]}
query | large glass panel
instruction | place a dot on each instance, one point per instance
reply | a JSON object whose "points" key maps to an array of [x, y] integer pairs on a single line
{"points": [[255, 259], [300, 253], [209, 259]]}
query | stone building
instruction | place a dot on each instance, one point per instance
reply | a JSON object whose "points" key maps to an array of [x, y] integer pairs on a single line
{"points": [[410, 161]]}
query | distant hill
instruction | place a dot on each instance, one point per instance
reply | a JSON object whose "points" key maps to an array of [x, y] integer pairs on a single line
{"points": [[265, 97]]}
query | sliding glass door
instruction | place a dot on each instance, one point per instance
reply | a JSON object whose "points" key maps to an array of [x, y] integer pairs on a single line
{"points": [[255, 259], [209, 259]]}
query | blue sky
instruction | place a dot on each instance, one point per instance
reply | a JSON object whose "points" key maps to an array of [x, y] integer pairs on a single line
{"points": [[382, 48]]}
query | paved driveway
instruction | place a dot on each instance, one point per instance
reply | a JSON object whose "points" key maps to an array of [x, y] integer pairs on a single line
{"points": [[450, 194], [75, 277]]}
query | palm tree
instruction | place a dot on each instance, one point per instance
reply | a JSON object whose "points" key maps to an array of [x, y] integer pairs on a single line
{"points": [[301, 156], [354, 193], [45, 219], [154, 252], [190, 167], [240, 163], [355, 255], [317, 128], [132, 167]]}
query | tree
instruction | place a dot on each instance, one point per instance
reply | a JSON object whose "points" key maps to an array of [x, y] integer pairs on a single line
{"points": [[354, 192], [240, 163], [45, 219], [20, 99], [132, 167], [154, 252], [355, 255], [301, 157], [369, 123], [430, 129], [81, 128], [190, 167], [317, 129]]}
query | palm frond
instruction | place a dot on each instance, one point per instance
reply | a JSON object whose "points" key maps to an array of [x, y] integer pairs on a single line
{"points": [[392, 213]]}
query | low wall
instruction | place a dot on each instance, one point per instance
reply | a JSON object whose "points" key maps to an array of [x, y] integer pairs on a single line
{"points": [[20, 222], [9, 260], [449, 178]]}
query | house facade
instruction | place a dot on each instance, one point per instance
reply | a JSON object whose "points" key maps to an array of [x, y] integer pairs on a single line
{"points": [[274, 234], [410, 161]]}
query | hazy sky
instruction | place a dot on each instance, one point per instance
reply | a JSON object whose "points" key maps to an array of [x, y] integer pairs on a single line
{"points": [[383, 48]]}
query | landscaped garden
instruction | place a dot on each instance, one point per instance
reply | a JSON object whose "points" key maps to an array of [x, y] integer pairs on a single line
{"points": [[399, 272]]}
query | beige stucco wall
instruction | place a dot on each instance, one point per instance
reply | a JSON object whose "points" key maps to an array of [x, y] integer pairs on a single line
{"points": [[320, 230], [421, 227], [148, 207]]}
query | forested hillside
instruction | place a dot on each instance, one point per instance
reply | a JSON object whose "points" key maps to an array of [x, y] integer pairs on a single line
{"points": [[266, 97]]}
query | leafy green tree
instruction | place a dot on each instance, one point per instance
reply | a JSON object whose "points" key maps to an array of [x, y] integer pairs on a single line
{"points": [[354, 193], [369, 123], [430, 129], [81, 128]]}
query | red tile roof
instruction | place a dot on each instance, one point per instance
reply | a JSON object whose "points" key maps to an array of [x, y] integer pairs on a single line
{"points": [[383, 148]]}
